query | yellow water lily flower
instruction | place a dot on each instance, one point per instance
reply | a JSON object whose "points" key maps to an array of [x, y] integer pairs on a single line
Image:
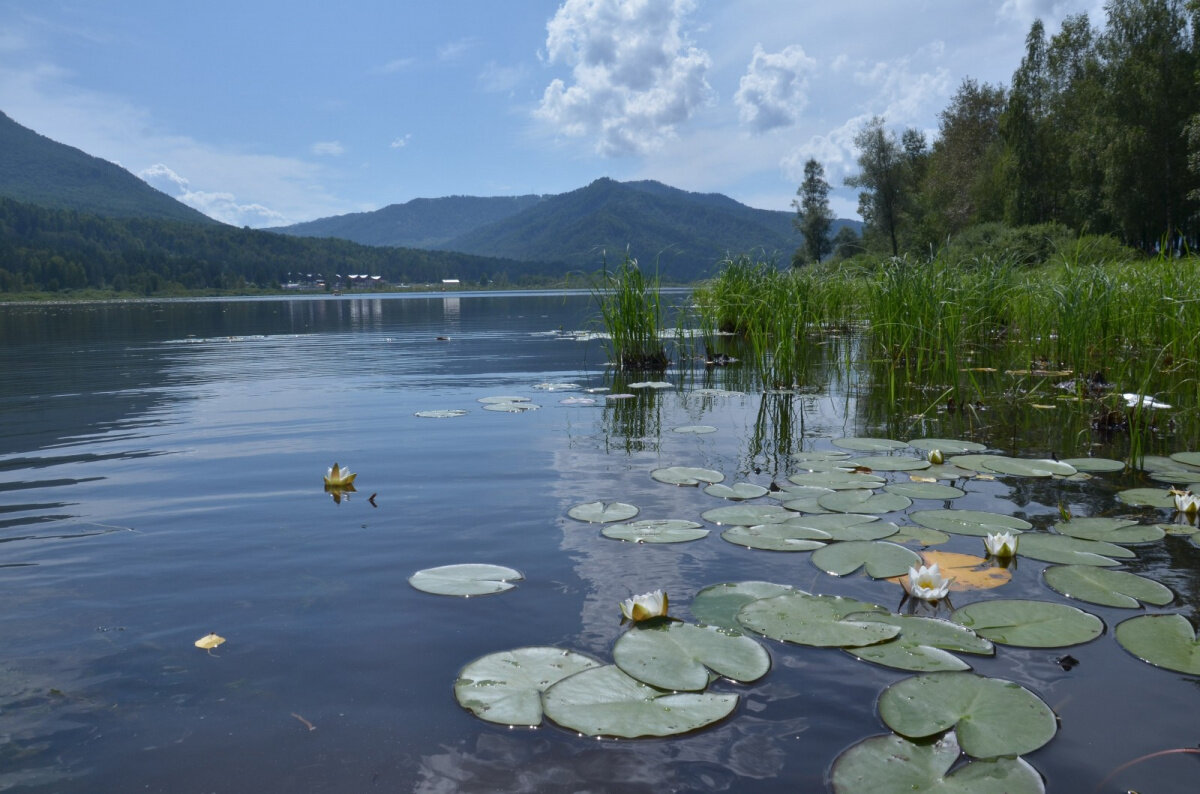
{"points": [[927, 583], [645, 606], [1186, 502], [1001, 544], [936, 457], [339, 478]]}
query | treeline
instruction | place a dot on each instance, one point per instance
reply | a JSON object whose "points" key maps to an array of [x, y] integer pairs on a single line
{"points": [[1099, 133], [48, 250]]}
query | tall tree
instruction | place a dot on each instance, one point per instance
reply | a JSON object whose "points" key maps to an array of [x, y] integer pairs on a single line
{"points": [[882, 178], [1024, 126], [813, 218], [960, 180]]}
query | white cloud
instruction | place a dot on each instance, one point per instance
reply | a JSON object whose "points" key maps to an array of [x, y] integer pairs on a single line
{"points": [[400, 142], [635, 76], [774, 90], [221, 206], [393, 66], [330, 148], [454, 50], [496, 79]]}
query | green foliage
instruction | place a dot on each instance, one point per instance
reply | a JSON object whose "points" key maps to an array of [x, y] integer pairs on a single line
{"points": [[814, 219], [631, 310]]}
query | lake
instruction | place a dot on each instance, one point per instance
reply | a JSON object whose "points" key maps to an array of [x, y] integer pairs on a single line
{"points": [[161, 478]]}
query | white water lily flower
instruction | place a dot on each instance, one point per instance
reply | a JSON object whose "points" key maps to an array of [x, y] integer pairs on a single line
{"points": [[928, 583], [936, 457], [1001, 544], [1187, 502], [645, 606], [1146, 401], [339, 478]]}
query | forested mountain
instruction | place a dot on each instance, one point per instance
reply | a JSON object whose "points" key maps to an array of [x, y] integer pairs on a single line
{"points": [[37, 170]]}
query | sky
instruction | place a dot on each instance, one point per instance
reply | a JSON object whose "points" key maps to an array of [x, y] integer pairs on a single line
{"points": [[269, 112]]}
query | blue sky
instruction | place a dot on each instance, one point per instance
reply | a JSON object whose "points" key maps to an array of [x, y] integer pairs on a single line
{"points": [[265, 112]]}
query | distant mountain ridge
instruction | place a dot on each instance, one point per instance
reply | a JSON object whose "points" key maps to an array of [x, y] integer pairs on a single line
{"points": [[37, 170]]}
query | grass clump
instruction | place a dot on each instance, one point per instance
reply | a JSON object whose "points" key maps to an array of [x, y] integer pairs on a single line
{"points": [[632, 313]]}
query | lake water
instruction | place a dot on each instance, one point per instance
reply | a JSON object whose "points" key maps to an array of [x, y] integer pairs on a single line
{"points": [[160, 479]]}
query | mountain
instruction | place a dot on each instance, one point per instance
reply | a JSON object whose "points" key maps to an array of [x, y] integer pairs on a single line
{"points": [[37, 170]]}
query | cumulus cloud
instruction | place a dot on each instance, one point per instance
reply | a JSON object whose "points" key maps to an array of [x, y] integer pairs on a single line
{"points": [[635, 76], [774, 90], [218, 205], [330, 148]]}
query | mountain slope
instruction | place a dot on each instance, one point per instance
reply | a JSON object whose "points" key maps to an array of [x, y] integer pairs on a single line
{"points": [[37, 170]]}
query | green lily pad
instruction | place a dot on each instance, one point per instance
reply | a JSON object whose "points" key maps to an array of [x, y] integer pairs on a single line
{"points": [[686, 475], [972, 461], [1147, 497], [651, 384], [511, 407], [747, 515], [890, 463], [1095, 464], [507, 687], [991, 716], [602, 512], [467, 579], [880, 559], [790, 492], [829, 454], [604, 701], [1187, 458], [665, 530], [695, 430], [1162, 640], [718, 604], [977, 523], [806, 505], [1065, 550], [845, 526], [1105, 587], [924, 644], [891, 763], [1174, 476], [921, 535], [776, 537], [925, 490], [1029, 624], [813, 466], [739, 491], [502, 399], [1110, 530], [442, 413], [679, 656], [838, 480], [947, 446], [869, 444], [946, 471], [1180, 529], [808, 619], [1023, 467], [863, 501]]}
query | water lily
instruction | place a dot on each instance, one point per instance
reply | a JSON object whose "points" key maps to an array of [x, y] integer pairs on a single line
{"points": [[1001, 544], [927, 583], [936, 457], [1146, 401], [339, 478], [1186, 502], [645, 606]]}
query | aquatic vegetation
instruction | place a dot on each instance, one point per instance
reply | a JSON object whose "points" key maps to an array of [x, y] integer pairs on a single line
{"points": [[336, 477], [209, 641], [927, 583], [466, 579], [1001, 545], [632, 313], [645, 606]]}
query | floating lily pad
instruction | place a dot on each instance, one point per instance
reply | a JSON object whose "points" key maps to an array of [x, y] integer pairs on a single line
{"points": [[1023, 467], [1065, 550], [947, 446], [1110, 530], [686, 475], [739, 491], [839, 465], [776, 537], [1162, 640], [718, 604], [1181, 529], [977, 523], [604, 701], [869, 444], [889, 463], [695, 430], [1029, 624], [1175, 476], [892, 763], [923, 645], [556, 386], [502, 399], [1147, 497], [880, 559], [971, 461], [670, 530], [747, 515], [808, 619], [467, 579], [838, 480], [1105, 587], [602, 512], [1187, 458], [679, 656], [991, 716], [862, 501], [651, 384], [442, 413], [581, 401], [829, 454], [507, 687], [925, 490], [511, 407], [1095, 464], [846, 526], [806, 505], [920, 535]]}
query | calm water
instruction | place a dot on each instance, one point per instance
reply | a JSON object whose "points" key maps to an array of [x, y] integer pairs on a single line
{"points": [[160, 478]]}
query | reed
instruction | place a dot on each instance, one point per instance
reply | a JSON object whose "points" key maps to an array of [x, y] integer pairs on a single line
{"points": [[632, 313]]}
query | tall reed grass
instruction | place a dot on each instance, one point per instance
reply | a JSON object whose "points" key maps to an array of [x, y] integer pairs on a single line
{"points": [[632, 312]]}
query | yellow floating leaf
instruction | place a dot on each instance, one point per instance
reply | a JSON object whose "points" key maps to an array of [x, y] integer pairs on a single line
{"points": [[968, 571], [921, 478], [978, 369], [983, 477], [209, 641], [1043, 407]]}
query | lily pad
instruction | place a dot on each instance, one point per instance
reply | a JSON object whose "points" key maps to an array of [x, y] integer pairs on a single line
{"points": [[828, 454], [1187, 458], [947, 446], [925, 490], [1023, 467], [845, 526], [1162, 640], [679, 656], [1105, 587], [442, 413], [880, 559], [1095, 464], [869, 444], [808, 619], [862, 501], [686, 475], [944, 471], [992, 717], [1147, 497], [747, 515], [971, 461], [556, 386], [923, 645], [776, 537], [718, 604], [739, 491], [920, 535], [668, 530], [1110, 530], [838, 480], [467, 579], [503, 398], [892, 763], [511, 407], [602, 512], [1029, 624], [507, 687], [890, 463], [977, 523], [695, 430], [651, 384], [1065, 550], [604, 701]]}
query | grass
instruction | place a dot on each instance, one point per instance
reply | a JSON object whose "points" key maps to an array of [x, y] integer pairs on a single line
{"points": [[632, 313]]}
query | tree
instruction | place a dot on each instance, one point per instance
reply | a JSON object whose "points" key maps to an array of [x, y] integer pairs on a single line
{"points": [[813, 218], [882, 177], [1024, 126], [846, 243], [960, 179]]}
